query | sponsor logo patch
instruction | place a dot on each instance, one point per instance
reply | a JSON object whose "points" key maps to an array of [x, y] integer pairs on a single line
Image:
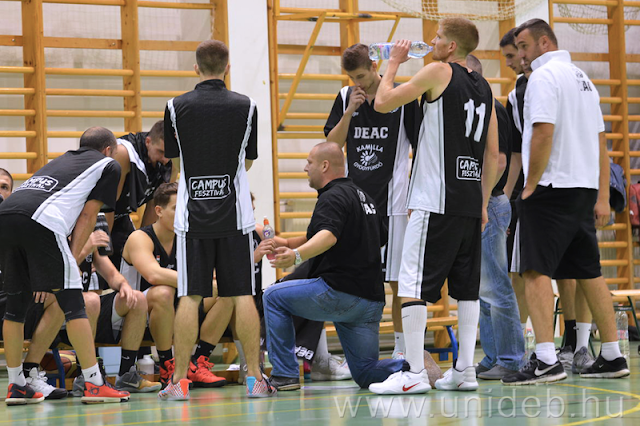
{"points": [[40, 183], [468, 168], [209, 187]]}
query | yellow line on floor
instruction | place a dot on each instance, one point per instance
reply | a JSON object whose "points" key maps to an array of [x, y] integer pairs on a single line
{"points": [[601, 418]]}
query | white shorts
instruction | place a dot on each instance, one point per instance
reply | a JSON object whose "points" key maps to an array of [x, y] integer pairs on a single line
{"points": [[391, 253]]}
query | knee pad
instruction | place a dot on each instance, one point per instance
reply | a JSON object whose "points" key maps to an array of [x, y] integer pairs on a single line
{"points": [[72, 304], [17, 306]]}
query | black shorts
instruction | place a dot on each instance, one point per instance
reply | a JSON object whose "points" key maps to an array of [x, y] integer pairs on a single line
{"points": [[33, 258], [34, 314], [230, 257], [438, 248], [109, 326], [558, 233]]}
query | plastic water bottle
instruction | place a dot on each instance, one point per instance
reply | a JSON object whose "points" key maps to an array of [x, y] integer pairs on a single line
{"points": [[146, 365], [268, 233], [102, 225], [530, 343], [622, 324], [379, 51]]}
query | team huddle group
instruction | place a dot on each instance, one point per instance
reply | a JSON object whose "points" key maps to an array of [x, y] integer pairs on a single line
{"points": [[193, 268]]}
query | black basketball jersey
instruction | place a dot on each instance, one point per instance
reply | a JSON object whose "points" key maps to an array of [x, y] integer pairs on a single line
{"points": [[447, 169], [56, 194], [257, 267], [143, 179], [164, 259], [212, 130], [377, 149]]}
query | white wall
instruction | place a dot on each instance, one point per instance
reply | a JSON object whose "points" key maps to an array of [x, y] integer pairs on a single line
{"points": [[249, 57]]}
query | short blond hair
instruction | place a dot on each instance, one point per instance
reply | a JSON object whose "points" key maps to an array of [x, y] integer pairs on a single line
{"points": [[463, 32]]}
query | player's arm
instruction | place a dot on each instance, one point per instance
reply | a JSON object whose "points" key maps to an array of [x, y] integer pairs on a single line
{"points": [[138, 250], [280, 242], [490, 163], [84, 226], [248, 164], [122, 157], [388, 97], [603, 208], [318, 244], [540, 152], [108, 271], [341, 130], [149, 217], [515, 167]]}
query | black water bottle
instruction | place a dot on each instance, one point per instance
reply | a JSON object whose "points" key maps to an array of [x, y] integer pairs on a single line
{"points": [[102, 225]]}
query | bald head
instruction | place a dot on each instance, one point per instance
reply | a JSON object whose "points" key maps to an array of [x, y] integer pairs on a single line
{"points": [[474, 64], [331, 152], [324, 164], [98, 138]]}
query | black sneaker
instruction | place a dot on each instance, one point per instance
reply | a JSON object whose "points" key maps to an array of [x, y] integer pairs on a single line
{"points": [[535, 371], [603, 369], [285, 383]]}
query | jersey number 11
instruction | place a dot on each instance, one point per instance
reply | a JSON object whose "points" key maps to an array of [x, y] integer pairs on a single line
{"points": [[468, 125]]}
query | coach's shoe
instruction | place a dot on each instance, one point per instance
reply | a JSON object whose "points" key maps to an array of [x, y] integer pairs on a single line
{"points": [[103, 394], [455, 380], [175, 391], [259, 388], [332, 368], [496, 373], [603, 369], [581, 360], [536, 371], [403, 383], [565, 356], [166, 371], [201, 376], [131, 381], [21, 395], [38, 381], [285, 383]]}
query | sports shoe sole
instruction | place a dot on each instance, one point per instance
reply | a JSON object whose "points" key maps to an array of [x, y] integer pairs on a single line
{"points": [[464, 386], [608, 375], [23, 401], [137, 390], [291, 387], [413, 391], [543, 379], [174, 398], [103, 400]]}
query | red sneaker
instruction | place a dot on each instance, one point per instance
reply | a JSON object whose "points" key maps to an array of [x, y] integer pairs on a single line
{"points": [[103, 394], [201, 376], [166, 371], [175, 391], [21, 395]]}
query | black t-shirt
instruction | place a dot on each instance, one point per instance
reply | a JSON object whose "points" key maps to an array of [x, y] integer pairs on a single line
{"points": [[515, 109], [352, 265], [144, 177], [212, 130], [377, 149], [56, 194], [504, 137]]}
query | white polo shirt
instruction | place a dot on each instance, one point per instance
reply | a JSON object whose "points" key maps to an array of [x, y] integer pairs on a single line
{"points": [[562, 94]]}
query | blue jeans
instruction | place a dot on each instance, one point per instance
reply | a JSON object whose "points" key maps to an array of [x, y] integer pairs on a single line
{"points": [[500, 332], [357, 322]]}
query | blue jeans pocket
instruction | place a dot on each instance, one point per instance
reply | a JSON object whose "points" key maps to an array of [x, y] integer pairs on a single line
{"points": [[336, 303]]}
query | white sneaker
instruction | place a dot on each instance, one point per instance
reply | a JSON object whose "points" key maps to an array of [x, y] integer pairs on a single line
{"points": [[38, 381], [458, 380], [397, 354], [332, 368], [403, 382]]}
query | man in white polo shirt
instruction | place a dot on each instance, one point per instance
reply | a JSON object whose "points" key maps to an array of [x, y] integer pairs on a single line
{"points": [[563, 146]]}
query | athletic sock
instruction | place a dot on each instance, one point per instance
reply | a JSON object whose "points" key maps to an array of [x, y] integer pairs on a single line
{"points": [[165, 356], [16, 376], [127, 359], [468, 316], [570, 333], [243, 359], [414, 324], [583, 331], [399, 338], [203, 349], [27, 366], [92, 375], [610, 351], [546, 352], [322, 350]]}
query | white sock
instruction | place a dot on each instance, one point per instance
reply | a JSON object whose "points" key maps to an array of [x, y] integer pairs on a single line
{"points": [[92, 375], [523, 326], [546, 352], [243, 360], [399, 341], [322, 350], [610, 351], [414, 324], [16, 375], [468, 316], [583, 330]]}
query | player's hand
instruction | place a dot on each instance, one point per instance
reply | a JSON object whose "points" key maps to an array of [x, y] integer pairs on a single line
{"points": [[400, 51], [285, 257], [357, 98], [526, 192], [485, 218], [265, 247], [126, 292], [40, 296], [602, 212]]}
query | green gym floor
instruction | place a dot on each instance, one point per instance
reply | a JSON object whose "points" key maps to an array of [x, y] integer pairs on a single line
{"points": [[573, 401]]}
